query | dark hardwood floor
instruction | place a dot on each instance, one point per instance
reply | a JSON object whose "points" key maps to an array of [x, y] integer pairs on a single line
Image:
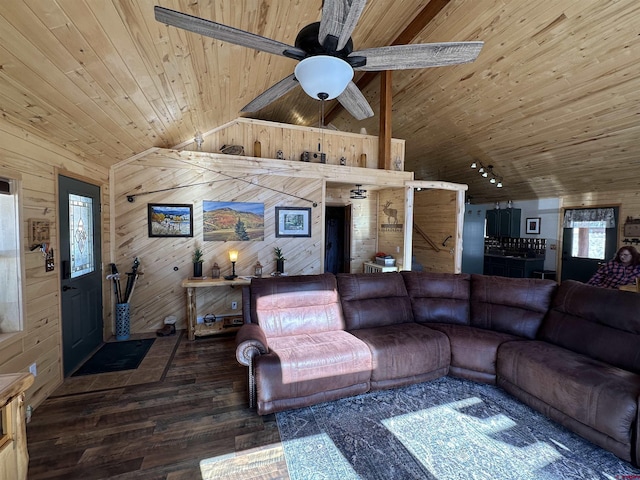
{"points": [[163, 429]]}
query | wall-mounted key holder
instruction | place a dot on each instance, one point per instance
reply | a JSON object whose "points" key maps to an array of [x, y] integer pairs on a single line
{"points": [[49, 263]]}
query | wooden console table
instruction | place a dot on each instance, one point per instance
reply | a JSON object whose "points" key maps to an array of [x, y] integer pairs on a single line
{"points": [[193, 329], [14, 457]]}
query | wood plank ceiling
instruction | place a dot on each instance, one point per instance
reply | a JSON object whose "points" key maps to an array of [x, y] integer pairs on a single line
{"points": [[552, 102]]}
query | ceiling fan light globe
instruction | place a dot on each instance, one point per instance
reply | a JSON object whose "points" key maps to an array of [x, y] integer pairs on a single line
{"points": [[322, 75]]}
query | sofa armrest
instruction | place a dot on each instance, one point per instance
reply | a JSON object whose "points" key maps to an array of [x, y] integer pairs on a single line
{"points": [[250, 341]]}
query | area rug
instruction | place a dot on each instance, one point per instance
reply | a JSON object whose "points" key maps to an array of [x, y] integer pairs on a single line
{"points": [[443, 429], [116, 357]]}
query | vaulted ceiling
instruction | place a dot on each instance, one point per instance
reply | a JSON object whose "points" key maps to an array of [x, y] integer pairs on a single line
{"points": [[552, 102]]}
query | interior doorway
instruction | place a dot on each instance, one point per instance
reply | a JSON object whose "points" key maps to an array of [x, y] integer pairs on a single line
{"points": [[81, 275], [337, 240]]}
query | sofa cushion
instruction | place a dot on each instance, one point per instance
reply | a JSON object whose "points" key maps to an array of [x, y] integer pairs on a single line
{"points": [[439, 297], [601, 323], [305, 369], [296, 305], [510, 305], [373, 299], [405, 353], [474, 350], [601, 396]]}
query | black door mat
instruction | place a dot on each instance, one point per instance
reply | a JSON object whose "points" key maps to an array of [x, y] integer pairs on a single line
{"points": [[115, 357]]}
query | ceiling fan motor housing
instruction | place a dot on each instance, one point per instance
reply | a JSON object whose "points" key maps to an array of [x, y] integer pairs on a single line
{"points": [[307, 40]]}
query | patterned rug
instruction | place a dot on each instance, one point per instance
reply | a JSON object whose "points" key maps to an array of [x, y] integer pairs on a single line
{"points": [[443, 429]]}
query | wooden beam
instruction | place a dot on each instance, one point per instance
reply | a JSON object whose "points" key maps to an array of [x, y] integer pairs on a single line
{"points": [[420, 21], [384, 136]]}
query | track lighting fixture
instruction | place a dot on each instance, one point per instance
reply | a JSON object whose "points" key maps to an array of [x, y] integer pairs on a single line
{"points": [[487, 172]]}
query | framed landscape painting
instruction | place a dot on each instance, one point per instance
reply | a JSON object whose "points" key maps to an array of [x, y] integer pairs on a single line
{"points": [[170, 220], [293, 222], [229, 221]]}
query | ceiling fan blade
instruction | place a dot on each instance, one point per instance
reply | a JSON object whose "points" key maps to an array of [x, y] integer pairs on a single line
{"points": [[401, 57], [354, 102], [273, 93], [339, 19], [223, 32]]}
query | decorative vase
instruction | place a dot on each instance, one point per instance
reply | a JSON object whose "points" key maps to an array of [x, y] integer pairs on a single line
{"points": [[280, 266], [197, 269]]}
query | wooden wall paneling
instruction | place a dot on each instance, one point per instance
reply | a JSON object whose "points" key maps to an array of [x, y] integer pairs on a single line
{"points": [[435, 213], [294, 140], [159, 256], [391, 225], [38, 161]]}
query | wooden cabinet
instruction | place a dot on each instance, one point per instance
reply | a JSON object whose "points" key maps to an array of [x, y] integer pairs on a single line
{"points": [[504, 222], [511, 266], [14, 458]]}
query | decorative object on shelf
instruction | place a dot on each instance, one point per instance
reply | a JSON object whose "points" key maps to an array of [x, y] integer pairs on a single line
{"points": [[257, 149], [305, 156], [257, 270], [215, 271], [509, 204], [293, 222], [197, 262], [232, 149], [280, 155], [358, 193], [233, 258], [199, 140], [208, 319], [487, 172], [170, 220], [343, 161], [533, 225], [279, 258]]}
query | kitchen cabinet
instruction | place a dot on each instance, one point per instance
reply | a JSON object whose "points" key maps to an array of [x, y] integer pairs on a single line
{"points": [[513, 267], [504, 222]]}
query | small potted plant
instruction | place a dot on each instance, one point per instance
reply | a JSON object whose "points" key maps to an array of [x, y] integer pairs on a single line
{"points": [[197, 262], [279, 258]]}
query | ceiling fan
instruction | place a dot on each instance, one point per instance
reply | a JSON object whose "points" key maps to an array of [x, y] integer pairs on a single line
{"points": [[326, 57]]}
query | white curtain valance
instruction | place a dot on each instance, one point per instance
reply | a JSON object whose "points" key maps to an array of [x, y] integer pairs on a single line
{"points": [[576, 218]]}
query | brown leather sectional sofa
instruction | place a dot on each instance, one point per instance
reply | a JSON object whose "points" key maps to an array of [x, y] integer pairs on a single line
{"points": [[571, 351]]}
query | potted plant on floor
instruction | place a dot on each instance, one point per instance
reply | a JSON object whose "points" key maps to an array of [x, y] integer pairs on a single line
{"points": [[279, 258], [197, 262]]}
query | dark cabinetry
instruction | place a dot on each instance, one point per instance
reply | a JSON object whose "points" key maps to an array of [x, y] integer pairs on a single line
{"points": [[512, 266], [504, 222]]}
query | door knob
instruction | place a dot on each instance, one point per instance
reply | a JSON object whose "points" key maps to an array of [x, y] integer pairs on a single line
{"points": [[66, 287]]}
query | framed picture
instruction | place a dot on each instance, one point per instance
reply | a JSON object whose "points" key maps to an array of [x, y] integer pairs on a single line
{"points": [[39, 232], [293, 222], [533, 225], [232, 221], [170, 220]]}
